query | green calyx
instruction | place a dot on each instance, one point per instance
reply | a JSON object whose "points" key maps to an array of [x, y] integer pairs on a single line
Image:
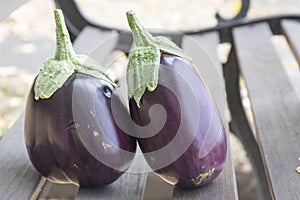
{"points": [[142, 71], [144, 60], [57, 70]]}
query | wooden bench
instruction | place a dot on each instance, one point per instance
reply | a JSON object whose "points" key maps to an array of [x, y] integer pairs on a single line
{"points": [[273, 145]]}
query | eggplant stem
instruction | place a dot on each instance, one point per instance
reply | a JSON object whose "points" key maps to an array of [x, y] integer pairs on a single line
{"points": [[64, 49], [140, 35]]}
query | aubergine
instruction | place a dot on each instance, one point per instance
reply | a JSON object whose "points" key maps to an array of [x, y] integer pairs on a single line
{"points": [[188, 146], [70, 132]]}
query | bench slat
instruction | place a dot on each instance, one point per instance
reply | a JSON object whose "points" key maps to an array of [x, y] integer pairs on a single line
{"points": [[96, 43], [203, 50], [291, 28], [17, 176], [275, 107], [128, 187]]}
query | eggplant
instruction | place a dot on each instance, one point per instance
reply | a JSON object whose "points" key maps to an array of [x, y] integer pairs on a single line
{"points": [[181, 133], [70, 132]]}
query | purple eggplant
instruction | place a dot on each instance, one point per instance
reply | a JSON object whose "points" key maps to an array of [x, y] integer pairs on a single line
{"points": [[181, 133], [70, 132]]}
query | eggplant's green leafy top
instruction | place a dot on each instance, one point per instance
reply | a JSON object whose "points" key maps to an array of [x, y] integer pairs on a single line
{"points": [[167, 46], [142, 71], [56, 71], [146, 55]]}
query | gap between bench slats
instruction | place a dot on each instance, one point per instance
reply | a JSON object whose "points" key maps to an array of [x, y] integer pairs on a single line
{"points": [[275, 107]]}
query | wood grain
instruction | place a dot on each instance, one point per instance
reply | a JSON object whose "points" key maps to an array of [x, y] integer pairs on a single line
{"points": [[17, 176], [240, 126], [275, 106], [96, 43], [128, 187], [291, 29]]}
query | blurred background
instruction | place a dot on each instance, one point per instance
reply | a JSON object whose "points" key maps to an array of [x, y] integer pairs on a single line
{"points": [[27, 35], [27, 39]]}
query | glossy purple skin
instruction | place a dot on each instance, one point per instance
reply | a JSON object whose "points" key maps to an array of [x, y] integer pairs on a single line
{"points": [[66, 134], [193, 168]]}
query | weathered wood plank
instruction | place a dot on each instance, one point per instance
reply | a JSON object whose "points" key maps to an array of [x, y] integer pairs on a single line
{"points": [[129, 186], [275, 106], [56, 191], [291, 29], [157, 188], [203, 50], [239, 124], [96, 43], [19, 179], [17, 176]]}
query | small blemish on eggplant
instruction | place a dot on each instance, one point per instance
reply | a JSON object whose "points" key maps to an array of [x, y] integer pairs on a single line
{"points": [[199, 179], [106, 145], [92, 113], [95, 133], [75, 165]]}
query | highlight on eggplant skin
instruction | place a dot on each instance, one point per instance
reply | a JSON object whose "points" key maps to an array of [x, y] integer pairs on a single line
{"points": [[70, 132], [189, 151], [55, 137]]}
